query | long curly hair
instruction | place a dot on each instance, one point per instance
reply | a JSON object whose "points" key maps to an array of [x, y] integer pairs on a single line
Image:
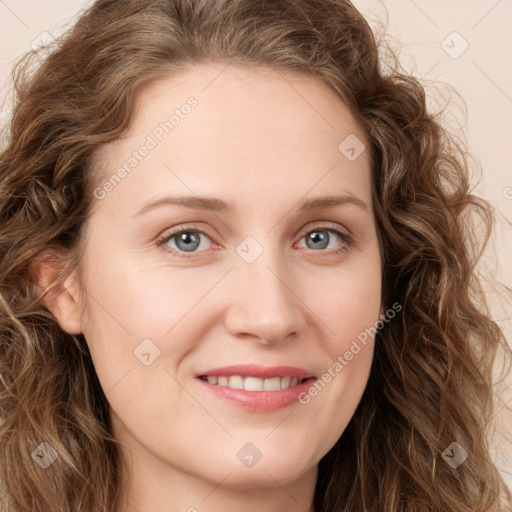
{"points": [[431, 382]]}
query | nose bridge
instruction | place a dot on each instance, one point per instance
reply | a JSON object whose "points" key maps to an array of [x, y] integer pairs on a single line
{"points": [[262, 302]]}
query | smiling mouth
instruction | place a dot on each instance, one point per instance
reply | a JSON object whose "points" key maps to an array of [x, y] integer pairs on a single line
{"points": [[253, 383]]}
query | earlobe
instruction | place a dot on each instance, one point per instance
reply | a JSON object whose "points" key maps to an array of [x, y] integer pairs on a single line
{"points": [[62, 300]]}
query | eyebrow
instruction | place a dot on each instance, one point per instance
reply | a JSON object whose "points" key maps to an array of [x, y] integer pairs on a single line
{"points": [[218, 205]]}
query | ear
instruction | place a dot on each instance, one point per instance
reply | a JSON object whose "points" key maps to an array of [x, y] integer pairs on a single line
{"points": [[63, 300]]}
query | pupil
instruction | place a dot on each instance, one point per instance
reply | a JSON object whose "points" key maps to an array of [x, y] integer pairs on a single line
{"points": [[319, 237], [189, 239]]}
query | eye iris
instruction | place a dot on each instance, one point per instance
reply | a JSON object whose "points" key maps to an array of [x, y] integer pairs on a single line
{"points": [[319, 236], [190, 239]]}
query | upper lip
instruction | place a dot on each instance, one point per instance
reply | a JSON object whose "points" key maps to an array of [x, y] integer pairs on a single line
{"points": [[263, 372]]}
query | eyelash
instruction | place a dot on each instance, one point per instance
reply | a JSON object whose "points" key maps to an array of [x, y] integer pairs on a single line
{"points": [[347, 238]]}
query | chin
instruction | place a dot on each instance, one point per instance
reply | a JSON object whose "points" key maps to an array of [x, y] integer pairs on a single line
{"points": [[279, 466]]}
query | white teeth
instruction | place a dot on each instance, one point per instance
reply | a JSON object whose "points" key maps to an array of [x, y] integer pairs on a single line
{"points": [[236, 382], [272, 384], [253, 383]]}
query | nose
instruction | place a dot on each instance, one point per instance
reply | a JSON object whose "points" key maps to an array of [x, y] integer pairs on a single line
{"points": [[263, 300]]}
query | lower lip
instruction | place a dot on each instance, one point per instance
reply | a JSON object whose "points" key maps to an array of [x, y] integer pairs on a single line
{"points": [[259, 401]]}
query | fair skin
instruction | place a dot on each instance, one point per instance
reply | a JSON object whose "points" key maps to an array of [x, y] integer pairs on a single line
{"points": [[265, 142]]}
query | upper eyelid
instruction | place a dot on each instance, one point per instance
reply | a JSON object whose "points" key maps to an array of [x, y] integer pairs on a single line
{"points": [[324, 225]]}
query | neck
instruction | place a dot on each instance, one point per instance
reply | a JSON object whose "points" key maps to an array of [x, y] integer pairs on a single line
{"points": [[154, 485]]}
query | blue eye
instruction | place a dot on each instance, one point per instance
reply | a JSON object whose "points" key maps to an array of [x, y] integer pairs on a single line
{"points": [[187, 241], [320, 235], [320, 238]]}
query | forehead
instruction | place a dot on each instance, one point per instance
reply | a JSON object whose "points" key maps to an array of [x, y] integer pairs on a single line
{"points": [[252, 132]]}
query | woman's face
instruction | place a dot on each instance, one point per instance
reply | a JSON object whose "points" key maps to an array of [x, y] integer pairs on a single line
{"points": [[259, 292]]}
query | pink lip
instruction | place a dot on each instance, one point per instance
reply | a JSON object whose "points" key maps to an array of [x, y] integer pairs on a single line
{"points": [[259, 401], [263, 372]]}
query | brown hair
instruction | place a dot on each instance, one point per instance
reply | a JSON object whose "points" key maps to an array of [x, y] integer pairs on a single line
{"points": [[431, 378]]}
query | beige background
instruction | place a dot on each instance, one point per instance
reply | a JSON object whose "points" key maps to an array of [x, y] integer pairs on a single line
{"points": [[467, 44]]}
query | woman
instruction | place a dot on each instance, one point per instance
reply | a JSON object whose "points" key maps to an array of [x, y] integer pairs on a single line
{"points": [[237, 273]]}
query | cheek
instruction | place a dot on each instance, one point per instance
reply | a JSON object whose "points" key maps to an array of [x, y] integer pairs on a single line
{"points": [[139, 301], [351, 306], [351, 309], [129, 304]]}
